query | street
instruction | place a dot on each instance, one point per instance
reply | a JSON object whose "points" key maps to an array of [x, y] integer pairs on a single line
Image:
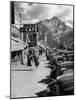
{"points": [[26, 81]]}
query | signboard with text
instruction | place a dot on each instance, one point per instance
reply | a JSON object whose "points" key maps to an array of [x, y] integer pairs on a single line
{"points": [[29, 28]]}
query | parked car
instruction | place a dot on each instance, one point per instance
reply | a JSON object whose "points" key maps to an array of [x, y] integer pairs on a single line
{"points": [[63, 85]]}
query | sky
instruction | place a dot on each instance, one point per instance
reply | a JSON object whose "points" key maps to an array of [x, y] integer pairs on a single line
{"points": [[34, 12]]}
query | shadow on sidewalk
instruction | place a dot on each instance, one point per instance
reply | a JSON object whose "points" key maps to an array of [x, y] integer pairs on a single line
{"points": [[23, 70], [48, 66], [41, 93], [44, 93], [45, 81]]}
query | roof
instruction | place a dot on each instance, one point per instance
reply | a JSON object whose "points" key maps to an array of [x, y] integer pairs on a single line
{"points": [[65, 51]]}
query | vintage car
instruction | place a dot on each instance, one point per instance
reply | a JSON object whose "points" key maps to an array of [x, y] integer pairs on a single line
{"points": [[63, 82], [63, 85]]}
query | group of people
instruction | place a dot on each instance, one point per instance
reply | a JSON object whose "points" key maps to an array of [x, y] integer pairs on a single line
{"points": [[32, 57]]}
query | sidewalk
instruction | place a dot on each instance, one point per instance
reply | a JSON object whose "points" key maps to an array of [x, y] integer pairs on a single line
{"points": [[27, 83], [19, 67]]}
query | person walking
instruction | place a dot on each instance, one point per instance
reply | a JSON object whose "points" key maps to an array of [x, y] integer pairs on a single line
{"points": [[29, 58], [36, 60]]}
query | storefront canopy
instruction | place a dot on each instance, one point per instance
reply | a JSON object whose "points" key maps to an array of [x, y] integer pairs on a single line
{"points": [[16, 44]]}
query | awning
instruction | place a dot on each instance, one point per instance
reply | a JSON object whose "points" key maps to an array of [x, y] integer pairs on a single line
{"points": [[16, 45]]}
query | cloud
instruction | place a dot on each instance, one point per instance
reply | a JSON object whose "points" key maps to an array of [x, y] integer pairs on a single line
{"points": [[37, 11], [66, 12], [63, 13], [31, 20], [69, 23], [32, 12], [30, 3], [17, 7]]}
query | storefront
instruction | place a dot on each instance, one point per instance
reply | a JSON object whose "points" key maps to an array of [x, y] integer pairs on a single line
{"points": [[30, 34], [17, 50]]}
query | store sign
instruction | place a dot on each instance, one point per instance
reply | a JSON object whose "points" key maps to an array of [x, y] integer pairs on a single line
{"points": [[29, 28]]}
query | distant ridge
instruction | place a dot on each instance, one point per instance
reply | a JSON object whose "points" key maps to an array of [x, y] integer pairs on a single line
{"points": [[57, 31]]}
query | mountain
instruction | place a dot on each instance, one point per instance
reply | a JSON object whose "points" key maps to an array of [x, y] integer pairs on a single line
{"points": [[57, 32]]}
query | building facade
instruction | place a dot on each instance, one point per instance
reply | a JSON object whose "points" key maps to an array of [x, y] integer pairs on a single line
{"points": [[17, 44], [30, 34]]}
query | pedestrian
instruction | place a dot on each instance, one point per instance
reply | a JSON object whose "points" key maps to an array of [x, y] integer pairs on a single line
{"points": [[29, 58], [40, 51], [36, 60]]}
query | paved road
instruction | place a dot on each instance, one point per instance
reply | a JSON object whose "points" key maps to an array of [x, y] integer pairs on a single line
{"points": [[25, 81]]}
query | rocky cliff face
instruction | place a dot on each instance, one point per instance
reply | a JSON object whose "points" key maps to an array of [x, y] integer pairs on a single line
{"points": [[57, 32]]}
